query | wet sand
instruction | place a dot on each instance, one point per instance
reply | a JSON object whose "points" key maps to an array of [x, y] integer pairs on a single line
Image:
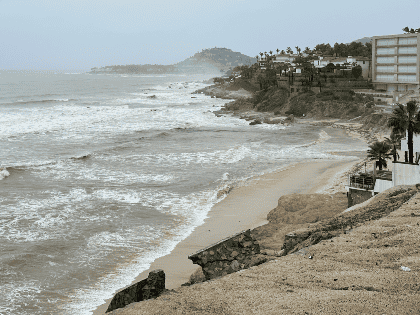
{"points": [[243, 208]]}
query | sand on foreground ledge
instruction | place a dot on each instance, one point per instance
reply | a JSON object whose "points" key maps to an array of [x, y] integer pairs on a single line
{"points": [[244, 208], [374, 269]]}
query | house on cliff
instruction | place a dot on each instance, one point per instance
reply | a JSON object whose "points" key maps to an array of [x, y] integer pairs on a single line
{"points": [[362, 186], [347, 63]]}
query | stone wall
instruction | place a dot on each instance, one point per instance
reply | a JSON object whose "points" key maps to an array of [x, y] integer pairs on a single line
{"points": [[237, 252], [357, 196], [146, 289]]}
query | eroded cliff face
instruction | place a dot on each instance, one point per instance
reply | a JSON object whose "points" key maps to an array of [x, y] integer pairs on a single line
{"points": [[380, 206], [240, 251], [307, 208]]}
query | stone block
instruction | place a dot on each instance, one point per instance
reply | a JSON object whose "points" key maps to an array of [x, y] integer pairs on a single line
{"points": [[217, 260], [145, 289]]}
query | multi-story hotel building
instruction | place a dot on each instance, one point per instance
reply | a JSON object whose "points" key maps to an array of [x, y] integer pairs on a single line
{"points": [[396, 63]]}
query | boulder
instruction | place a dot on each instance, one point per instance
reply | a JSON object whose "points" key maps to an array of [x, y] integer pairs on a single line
{"points": [[255, 122], [290, 118]]}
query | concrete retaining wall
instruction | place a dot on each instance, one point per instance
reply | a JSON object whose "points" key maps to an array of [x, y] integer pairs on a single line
{"points": [[405, 174], [356, 196], [382, 185]]}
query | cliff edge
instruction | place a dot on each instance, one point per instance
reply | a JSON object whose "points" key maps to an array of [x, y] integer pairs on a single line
{"points": [[370, 267]]}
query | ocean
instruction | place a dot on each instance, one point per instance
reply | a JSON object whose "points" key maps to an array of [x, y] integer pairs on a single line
{"points": [[104, 173]]}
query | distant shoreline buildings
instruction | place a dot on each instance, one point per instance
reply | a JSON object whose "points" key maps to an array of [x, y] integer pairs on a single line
{"points": [[393, 69]]}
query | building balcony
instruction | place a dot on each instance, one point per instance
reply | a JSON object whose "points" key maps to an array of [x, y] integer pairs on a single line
{"points": [[361, 181], [367, 181]]}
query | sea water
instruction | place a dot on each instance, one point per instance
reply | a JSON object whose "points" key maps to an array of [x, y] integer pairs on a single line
{"points": [[102, 174]]}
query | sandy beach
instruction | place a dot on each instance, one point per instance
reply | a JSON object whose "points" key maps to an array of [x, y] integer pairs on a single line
{"points": [[246, 207]]}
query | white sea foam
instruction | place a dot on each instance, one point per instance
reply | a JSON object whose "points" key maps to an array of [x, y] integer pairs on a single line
{"points": [[4, 173], [323, 136], [73, 169], [194, 208]]}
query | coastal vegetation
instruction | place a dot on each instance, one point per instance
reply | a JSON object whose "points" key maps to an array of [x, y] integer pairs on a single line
{"points": [[339, 50], [406, 119], [319, 93], [379, 152], [408, 30], [394, 140]]}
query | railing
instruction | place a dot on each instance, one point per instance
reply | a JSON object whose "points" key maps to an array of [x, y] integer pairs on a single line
{"points": [[361, 181]]}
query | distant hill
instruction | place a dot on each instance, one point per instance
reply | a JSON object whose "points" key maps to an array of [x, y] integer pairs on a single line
{"points": [[363, 40], [218, 59], [213, 60]]}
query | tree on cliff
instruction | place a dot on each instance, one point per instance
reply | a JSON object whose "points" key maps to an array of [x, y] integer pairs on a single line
{"points": [[411, 30], [379, 152], [325, 49], [356, 71], [282, 67], [330, 67], [394, 141], [406, 119]]}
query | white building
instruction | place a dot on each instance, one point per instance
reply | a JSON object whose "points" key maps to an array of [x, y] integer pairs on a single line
{"points": [[364, 186], [396, 62]]}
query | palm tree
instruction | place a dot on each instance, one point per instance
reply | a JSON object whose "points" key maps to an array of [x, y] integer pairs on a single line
{"points": [[298, 50], [270, 52], [277, 50], [406, 119], [379, 151], [289, 50], [282, 52], [394, 141]]}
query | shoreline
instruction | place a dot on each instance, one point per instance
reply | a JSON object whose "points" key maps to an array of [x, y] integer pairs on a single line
{"points": [[245, 207], [236, 212]]}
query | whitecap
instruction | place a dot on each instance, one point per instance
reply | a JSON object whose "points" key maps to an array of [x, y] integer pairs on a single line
{"points": [[4, 173]]}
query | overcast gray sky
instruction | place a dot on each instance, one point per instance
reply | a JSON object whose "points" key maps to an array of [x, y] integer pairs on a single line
{"points": [[81, 34]]}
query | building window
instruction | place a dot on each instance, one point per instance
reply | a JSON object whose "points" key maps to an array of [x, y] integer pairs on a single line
{"points": [[385, 60], [385, 51], [407, 59], [386, 42], [385, 69], [407, 69], [407, 40], [407, 50], [406, 78], [385, 77], [363, 62]]}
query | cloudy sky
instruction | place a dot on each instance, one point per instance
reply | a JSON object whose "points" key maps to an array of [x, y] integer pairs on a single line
{"points": [[81, 34]]}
